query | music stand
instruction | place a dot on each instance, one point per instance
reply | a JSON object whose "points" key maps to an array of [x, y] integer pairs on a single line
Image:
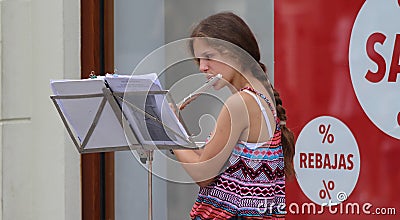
{"points": [[145, 151]]}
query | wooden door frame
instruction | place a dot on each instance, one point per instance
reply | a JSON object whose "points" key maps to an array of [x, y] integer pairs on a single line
{"points": [[97, 57]]}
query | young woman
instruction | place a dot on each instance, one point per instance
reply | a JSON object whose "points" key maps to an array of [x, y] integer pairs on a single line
{"points": [[241, 170]]}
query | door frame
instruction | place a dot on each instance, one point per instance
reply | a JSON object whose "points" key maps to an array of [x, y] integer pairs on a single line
{"points": [[97, 57]]}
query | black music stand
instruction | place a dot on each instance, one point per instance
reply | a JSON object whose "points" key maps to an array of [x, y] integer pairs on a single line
{"points": [[145, 150]]}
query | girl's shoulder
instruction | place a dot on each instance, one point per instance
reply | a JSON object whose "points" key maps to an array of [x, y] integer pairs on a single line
{"points": [[238, 102], [239, 98]]}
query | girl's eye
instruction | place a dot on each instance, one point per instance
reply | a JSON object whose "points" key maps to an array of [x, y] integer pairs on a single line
{"points": [[204, 57], [208, 56]]}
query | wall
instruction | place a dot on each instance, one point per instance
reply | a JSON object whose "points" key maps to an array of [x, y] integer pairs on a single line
{"points": [[1, 127], [139, 29], [40, 167]]}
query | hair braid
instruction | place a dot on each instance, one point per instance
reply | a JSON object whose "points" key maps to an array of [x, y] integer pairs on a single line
{"points": [[286, 134], [287, 139]]}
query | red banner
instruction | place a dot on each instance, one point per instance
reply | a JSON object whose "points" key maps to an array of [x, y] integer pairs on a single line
{"points": [[337, 69]]}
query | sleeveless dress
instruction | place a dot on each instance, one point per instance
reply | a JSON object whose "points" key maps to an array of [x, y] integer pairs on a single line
{"points": [[253, 185]]}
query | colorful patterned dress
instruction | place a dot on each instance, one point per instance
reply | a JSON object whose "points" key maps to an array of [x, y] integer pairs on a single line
{"points": [[253, 185]]}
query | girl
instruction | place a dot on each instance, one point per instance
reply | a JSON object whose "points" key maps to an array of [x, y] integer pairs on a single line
{"points": [[241, 170]]}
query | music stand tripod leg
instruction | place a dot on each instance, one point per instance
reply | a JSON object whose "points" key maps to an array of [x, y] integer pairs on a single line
{"points": [[150, 184]]}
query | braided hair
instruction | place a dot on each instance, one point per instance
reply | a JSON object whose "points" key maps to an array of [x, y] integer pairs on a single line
{"points": [[288, 140]]}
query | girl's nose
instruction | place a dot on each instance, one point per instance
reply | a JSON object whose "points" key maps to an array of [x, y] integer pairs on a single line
{"points": [[203, 66]]}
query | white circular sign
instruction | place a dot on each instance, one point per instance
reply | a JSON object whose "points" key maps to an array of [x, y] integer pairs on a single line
{"points": [[327, 161], [374, 59]]}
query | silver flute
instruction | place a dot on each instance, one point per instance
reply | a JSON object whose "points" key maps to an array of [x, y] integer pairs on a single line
{"points": [[202, 89]]}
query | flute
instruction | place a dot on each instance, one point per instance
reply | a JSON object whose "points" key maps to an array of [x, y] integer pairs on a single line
{"points": [[201, 90]]}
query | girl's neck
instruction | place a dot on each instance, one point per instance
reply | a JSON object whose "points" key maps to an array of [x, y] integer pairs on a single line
{"points": [[242, 80], [238, 82]]}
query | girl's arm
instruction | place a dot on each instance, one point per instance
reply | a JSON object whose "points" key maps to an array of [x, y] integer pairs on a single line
{"points": [[205, 165]]}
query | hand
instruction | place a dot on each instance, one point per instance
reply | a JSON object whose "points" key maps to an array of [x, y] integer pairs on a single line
{"points": [[187, 102], [174, 109]]}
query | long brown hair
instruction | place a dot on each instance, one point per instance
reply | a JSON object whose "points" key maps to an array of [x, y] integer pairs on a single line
{"points": [[231, 28]]}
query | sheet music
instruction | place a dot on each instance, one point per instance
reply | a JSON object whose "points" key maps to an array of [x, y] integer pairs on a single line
{"points": [[81, 112], [148, 130], [108, 132]]}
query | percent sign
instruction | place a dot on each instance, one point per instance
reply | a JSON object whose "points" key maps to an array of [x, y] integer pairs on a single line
{"points": [[325, 191], [325, 131]]}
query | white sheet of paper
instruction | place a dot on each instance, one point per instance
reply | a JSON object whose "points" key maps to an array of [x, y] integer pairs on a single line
{"points": [[81, 112]]}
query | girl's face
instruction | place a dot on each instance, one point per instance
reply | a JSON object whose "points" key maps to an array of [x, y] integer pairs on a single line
{"points": [[212, 62]]}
